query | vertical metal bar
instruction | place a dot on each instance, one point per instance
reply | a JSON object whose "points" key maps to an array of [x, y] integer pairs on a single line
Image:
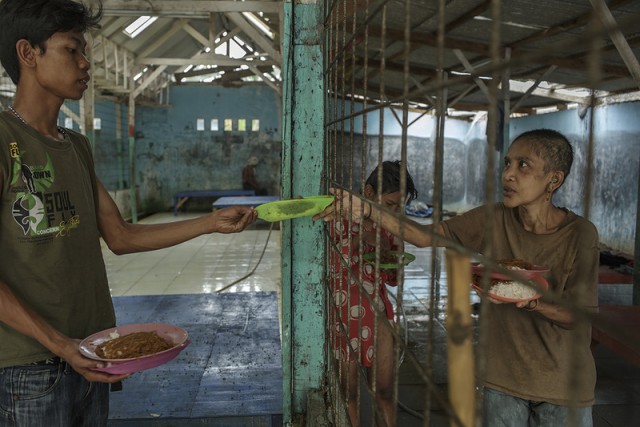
{"points": [[105, 60], [88, 101], [133, 198], [377, 219], [506, 112], [333, 360], [437, 204], [636, 261], [120, 144], [365, 101], [491, 178], [116, 59], [403, 192], [363, 156], [126, 82]]}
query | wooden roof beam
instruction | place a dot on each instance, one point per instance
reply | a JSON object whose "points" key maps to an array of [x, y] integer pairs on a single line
{"points": [[257, 37], [618, 39], [186, 8], [201, 59], [577, 22]]}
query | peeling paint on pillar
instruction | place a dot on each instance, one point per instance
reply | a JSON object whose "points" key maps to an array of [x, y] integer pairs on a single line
{"points": [[302, 239]]}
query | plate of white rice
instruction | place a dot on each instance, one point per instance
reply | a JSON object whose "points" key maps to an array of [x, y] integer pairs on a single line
{"points": [[510, 290]]}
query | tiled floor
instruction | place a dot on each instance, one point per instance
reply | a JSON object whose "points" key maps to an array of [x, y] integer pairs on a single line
{"points": [[205, 264], [231, 373], [180, 285]]}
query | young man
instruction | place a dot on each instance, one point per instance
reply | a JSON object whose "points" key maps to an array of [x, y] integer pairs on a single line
{"points": [[53, 211]]}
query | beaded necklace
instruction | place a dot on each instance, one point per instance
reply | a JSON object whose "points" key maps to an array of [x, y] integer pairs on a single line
{"points": [[61, 130]]}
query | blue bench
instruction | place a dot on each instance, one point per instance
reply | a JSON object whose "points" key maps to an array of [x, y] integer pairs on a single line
{"points": [[181, 197], [252, 201]]}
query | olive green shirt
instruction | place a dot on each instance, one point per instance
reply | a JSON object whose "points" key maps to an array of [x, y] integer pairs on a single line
{"points": [[49, 237], [528, 356]]}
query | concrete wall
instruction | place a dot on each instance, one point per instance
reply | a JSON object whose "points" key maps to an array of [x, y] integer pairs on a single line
{"points": [[614, 170], [420, 153], [172, 155]]}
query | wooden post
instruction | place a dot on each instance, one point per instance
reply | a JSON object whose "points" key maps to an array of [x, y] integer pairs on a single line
{"points": [[462, 378]]}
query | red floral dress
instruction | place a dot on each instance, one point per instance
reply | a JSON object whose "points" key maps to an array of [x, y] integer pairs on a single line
{"points": [[349, 308]]}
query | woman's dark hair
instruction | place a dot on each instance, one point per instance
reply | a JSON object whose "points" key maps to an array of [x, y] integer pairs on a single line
{"points": [[552, 147], [36, 21], [391, 171]]}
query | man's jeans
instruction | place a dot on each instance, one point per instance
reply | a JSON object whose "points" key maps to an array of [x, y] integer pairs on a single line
{"points": [[502, 410], [51, 395]]}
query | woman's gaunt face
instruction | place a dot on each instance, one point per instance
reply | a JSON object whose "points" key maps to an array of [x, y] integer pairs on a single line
{"points": [[523, 178], [391, 201]]}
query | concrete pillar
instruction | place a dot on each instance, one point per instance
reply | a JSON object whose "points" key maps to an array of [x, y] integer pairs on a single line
{"points": [[302, 240]]}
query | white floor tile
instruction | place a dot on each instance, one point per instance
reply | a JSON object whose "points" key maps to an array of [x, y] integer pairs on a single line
{"points": [[202, 265]]}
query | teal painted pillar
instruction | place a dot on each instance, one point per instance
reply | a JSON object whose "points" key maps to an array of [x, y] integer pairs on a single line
{"points": [[302, 240]]}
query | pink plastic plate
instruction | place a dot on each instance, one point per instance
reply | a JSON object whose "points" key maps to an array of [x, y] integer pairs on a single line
{"points": [[537, 270], [174, 334], [539, 280]]}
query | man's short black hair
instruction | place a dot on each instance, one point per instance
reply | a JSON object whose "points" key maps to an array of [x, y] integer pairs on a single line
{"points": [[36, 21], [391, 171]]}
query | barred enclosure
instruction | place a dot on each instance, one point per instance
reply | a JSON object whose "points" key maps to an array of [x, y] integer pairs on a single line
{"points": [[443, 87]]}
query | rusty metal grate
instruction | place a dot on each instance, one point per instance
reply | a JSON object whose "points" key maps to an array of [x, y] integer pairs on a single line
{"points": [[413, 66]]}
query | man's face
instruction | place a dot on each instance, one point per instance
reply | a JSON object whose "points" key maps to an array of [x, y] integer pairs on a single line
{"points": [[63, 69]]}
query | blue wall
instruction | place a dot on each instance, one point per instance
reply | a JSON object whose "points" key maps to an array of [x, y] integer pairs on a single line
{"points": [[614, 168], [110, 153], [420, 152], [174, 156], [171, 155]]}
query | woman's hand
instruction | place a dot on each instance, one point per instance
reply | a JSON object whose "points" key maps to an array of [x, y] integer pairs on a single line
{"points": [[345, 204], [527, 305]]}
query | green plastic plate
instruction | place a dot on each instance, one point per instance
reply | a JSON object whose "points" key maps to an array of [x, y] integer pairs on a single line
{"points": [[386, 256], [293, 208]]}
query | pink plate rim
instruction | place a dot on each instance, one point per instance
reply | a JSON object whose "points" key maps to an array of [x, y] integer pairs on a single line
{"points": [[537, 270], [177, 335]]}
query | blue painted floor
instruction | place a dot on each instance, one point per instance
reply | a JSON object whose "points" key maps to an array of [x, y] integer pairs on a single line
{"points": [[231, 374], [231, 370]]}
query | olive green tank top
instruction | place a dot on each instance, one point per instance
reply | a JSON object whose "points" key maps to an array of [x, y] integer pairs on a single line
{"points": [[49, 237]]}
